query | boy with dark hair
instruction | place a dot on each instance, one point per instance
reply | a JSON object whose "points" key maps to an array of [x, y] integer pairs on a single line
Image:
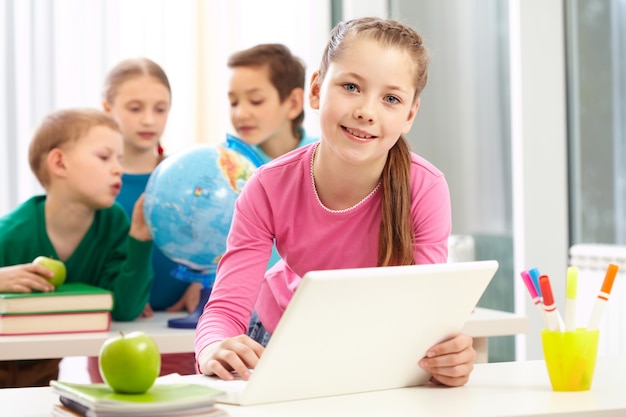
{"points": [[266, 94]]}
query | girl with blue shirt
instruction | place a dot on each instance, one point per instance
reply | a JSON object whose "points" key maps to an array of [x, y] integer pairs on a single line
{"points": [[137, 95]]}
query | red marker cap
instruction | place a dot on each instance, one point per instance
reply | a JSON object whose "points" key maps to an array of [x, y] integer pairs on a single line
{"points": [[546, 291]]}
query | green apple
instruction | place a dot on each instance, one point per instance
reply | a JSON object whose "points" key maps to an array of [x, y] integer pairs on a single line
{"points": [[54, 265], [129, 363]]}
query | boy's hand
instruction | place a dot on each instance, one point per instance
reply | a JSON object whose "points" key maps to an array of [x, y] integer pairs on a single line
{"points": [[450, 362], [25, 278], [138, 227], [190, 299]]}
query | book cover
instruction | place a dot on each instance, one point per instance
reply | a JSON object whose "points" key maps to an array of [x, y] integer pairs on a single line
{"points": [[69, 297], [98, 321], [73, 409], [167, 399]]}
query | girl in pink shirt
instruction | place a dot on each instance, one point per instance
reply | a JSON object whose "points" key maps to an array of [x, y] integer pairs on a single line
{"points": [[357, 198]]}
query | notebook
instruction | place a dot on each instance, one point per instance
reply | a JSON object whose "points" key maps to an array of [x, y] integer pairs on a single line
{"points": [[357, 330], [165, 400]]}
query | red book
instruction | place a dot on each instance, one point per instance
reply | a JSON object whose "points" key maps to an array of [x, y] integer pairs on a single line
{"points": [[22, 324]]}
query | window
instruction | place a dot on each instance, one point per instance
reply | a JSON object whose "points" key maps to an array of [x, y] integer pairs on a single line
{"points": [[596, 68]]}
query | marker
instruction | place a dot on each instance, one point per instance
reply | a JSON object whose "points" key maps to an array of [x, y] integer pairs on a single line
{"points": [[533, 294], [603, 297], [554, 318], [534, 275], [570, 299]]}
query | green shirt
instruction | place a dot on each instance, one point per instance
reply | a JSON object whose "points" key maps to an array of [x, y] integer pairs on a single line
{"points": [[106, 257]]}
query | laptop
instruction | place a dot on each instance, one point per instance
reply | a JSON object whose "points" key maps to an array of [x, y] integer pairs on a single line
{"points": [[357, 330]]}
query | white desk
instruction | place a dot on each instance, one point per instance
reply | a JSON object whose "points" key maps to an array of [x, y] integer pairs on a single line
{"points": [[511, 389], [168, 339], [484, 323], [481, 324]]}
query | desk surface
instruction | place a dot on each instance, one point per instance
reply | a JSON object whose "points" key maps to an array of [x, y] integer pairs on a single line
{"points": [[169, 340], [511, 389], [485, 322], [482, 323]]}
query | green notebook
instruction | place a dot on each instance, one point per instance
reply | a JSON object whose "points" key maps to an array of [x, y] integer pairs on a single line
{"points": [[162, 399], [69, 297]]}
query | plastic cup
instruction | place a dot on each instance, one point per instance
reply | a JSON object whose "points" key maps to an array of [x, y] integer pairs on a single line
{"points": [[570, 358]]}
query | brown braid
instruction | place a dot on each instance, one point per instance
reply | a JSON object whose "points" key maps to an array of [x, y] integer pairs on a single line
{"points": [[395, 242]]}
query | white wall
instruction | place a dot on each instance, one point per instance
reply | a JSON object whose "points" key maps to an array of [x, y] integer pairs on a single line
{"points": [[540, 198], [359, 8]]}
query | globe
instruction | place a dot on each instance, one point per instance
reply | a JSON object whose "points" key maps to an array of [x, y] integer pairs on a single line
{"points": [[188, 207]]}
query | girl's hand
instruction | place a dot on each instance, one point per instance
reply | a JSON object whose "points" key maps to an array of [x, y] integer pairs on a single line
{"points": [[450, 362], [147, 311], [138, 227], [25, 278], [190, 299], [236, 354]]}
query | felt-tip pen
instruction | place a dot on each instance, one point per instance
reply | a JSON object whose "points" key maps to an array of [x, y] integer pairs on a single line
{"points": [[570, 298], [533, 294], [603, 297], [554, 318], [534, 276]]}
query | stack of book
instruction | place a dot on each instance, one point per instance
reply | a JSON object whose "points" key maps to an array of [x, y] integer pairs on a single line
{"points": [[165, 399], [73, 307]]}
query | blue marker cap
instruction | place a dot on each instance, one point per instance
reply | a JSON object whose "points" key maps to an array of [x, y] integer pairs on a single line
{"points": [[534, 275]]}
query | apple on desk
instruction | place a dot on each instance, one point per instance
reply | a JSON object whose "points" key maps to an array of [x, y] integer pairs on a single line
{"points": [[130, 363], [56, 266]]}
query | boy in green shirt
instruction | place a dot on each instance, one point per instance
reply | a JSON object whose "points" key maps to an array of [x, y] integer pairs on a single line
{"points": [[75, 154]]}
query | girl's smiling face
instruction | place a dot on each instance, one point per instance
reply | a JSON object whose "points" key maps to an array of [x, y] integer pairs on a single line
{"points": [[366, 100]]}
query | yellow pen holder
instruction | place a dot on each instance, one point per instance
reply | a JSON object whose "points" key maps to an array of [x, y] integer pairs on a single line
{"points": [[570, 358]]}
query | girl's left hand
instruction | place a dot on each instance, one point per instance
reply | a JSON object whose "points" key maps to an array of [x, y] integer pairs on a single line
{"points": [[147, 311], [190, 299], [450, 362]]}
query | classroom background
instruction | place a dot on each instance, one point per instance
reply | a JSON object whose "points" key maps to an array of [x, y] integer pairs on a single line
{"points": [[524, 111]]}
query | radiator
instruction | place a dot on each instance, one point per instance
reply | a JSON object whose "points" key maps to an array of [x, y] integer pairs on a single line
{"points": [[592, 261], [461, 248]]}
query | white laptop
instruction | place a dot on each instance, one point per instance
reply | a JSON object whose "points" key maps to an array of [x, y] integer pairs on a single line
{"points": [[356, 330]]}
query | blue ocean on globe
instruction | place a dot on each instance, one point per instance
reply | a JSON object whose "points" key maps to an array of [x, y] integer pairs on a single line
{"points": [[189, 203]]}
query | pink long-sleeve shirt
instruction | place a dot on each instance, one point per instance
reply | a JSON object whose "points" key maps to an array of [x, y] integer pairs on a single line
{"points": [[279, 202]]}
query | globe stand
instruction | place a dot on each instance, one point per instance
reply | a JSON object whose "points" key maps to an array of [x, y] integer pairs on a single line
{"points": [[243, 148], [184, 273], [191, 321]]}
